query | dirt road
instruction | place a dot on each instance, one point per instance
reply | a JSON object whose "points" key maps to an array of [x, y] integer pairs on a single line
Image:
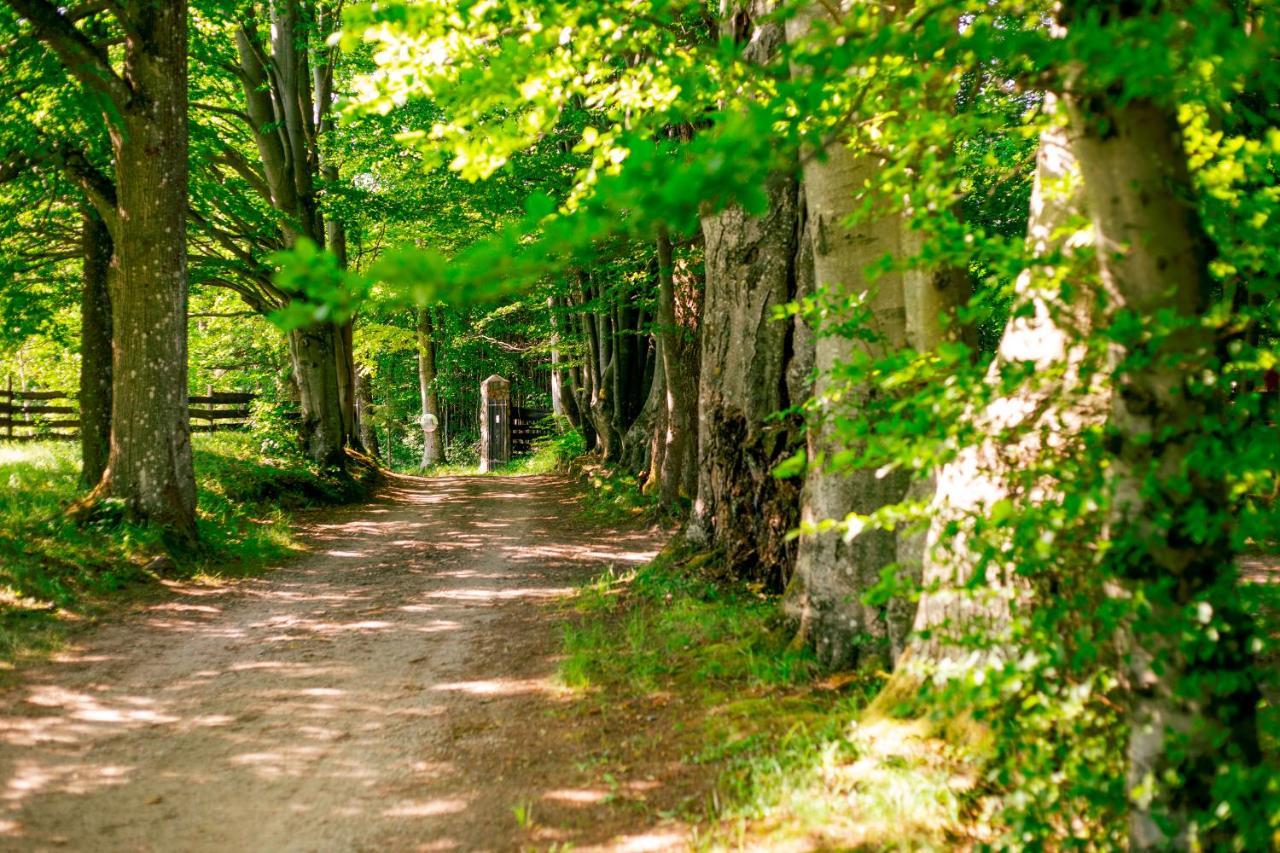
{"points": [[391, 690]]}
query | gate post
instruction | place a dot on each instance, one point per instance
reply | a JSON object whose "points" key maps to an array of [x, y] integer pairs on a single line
{"points": [[495, 423]]}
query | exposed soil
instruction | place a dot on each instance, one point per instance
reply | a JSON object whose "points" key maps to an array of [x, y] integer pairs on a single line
{"points": [[392, 690]]}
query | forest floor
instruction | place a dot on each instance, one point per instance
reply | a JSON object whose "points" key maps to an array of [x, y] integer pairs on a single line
{"points": [[395, 688]]}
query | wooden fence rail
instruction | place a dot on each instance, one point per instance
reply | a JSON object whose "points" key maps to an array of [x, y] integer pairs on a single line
{"points": [[39, 415]]}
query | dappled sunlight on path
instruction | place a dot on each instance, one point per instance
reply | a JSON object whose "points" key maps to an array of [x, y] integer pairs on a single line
{"points": [[391, 690]]}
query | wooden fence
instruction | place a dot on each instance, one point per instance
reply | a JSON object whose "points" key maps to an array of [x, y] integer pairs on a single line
{"points": [[55, 415]]}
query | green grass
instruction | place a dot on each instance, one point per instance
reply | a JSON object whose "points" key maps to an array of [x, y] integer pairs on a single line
{"points": [[550, 455], [56, 571], [613, 497], [794, 753]]}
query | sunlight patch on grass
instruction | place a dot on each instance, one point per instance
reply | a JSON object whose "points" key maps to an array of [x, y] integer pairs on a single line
{"points": [[798, 761]]}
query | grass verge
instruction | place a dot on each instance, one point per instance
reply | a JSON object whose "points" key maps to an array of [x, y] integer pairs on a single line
{"points": [[552, 454], [55, 572], [794, 757]]}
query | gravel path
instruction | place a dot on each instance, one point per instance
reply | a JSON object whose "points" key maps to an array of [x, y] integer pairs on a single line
{"points": [[391, 690]]}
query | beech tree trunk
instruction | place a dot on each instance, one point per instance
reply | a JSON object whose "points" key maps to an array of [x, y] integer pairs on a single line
{"points": [[599, 403], [638, 443], [149, 466], [825, 593], [364, 412], [678, 475], [563, 404], [312, 352], [288, 104], [345, 371], [336, 241], [933, 297], [741, 509], [1049, 335], [432, 450], [95, 348], [1195, 700]]}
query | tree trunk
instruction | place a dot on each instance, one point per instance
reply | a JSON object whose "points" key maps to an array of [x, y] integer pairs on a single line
{"points": [[678, 477], [336, 242], [315, 369], [95, 348], [562, 403], [832, 574], [286, 119], [364, 409], [1195, 690], [345, 370], [637, 453], [741, 508], [432, 451], [149, 466], [933, 296], [598, 405], [583, 384], [1046, 330]]}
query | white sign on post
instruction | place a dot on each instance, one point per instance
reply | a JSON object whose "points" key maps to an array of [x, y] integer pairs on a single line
{"points": [[429, 423]]}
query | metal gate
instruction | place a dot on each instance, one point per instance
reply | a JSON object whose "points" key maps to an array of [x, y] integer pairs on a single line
{"points": [[527, 426], [495, 423], [498, 447]]}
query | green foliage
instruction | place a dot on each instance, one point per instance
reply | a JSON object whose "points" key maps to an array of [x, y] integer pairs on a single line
{"points": [[949, 97], [614, 496]]}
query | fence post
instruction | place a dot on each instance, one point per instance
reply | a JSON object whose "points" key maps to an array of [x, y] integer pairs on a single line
{"points": [[11, 411], [495, 423]]}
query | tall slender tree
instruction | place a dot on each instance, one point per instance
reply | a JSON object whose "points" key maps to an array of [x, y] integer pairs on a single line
{"points": [[432, 447]]}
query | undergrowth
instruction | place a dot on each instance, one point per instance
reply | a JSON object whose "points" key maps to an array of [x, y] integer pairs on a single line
{"points": [[551, 454], [795, 753], [55, 571]]}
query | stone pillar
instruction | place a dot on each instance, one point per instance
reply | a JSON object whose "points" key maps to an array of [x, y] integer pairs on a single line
{"points": [[495, 423]]}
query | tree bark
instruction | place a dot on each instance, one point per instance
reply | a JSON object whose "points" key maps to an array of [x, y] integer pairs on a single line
{"points": [[150, 466], [637, 453], [678, 477], [1194, 701], [336, 241], [599, 404], [1046, 329], [312, 352], [95, 348], [281, 104], [432, 451], [365, 409], [345, 372], [741, 509], [825, 593], [563, 404]]}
